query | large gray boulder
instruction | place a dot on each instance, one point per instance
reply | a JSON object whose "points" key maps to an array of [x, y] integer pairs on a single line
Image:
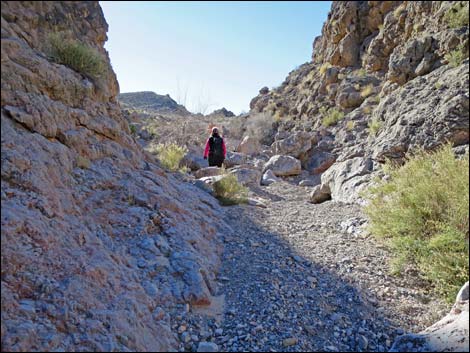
{"points": [[234, 158], [247, 176], [294, 145], [249, 145], [344, 181], [283, 165]]}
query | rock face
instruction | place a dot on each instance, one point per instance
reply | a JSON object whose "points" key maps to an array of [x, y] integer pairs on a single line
{"points": [[222, 112], [381, 83], [98, 242], [150, 101]]}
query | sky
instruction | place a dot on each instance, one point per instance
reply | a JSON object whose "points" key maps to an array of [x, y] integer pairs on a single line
{"points": [[206, 54]]}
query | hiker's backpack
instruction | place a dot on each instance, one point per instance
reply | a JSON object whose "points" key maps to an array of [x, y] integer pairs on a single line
{"points": [[216, 148]]}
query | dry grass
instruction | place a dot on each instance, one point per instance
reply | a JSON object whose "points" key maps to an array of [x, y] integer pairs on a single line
{"points": [[367, 90], [324, 67], [76, 55], [229, 191], [457, 15], [331, 116]]}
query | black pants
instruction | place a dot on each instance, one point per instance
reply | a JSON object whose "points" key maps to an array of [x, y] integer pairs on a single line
{"points": [[215, 161]]}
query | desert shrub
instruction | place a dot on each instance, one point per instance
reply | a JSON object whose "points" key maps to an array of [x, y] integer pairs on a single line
{"points": [[374, 126], [229, 191], [350, 125], [457, 56], [132, 128], [324, 67], [457, 15], [367, 91], [76, 55], [331, 116], [169, 155], [399, 10], [422, 211], [359, 72]]}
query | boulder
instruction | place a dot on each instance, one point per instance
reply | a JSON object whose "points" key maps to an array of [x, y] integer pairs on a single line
{"points": [[194, 161], [320, 193], [345, 180], [269, 177], [294, 145], [320, 161], [247, 176], [283, 165], [234, 158], [208, 171], [249, 145]]}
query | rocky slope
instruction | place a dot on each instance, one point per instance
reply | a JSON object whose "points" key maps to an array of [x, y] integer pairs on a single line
{"points": [[383, 73], [151, 102], [98, 242]]}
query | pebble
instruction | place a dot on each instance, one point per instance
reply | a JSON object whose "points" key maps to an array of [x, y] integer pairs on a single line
{"points": [[289, 342], [207, 347]]}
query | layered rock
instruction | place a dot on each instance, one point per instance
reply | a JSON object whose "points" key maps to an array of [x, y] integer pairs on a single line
{"points": [[150, 101], [98, 242], [381, 83]]}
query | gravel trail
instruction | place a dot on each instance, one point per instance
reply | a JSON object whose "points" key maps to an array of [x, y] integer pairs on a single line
{"points": [[302, 277]]}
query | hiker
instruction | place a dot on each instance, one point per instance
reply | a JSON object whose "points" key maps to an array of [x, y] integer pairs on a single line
{"points": [[215, 149]]}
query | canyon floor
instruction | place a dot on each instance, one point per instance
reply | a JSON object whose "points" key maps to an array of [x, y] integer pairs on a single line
{"points": [[302, 277]]}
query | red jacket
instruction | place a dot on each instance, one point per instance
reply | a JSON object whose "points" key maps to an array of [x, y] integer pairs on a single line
{"points": [[206, 150]]}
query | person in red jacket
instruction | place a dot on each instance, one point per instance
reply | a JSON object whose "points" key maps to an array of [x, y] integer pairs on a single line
{"points": [[215, 149]]}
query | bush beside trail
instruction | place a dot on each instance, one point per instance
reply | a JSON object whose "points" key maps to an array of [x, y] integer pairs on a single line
{"points": [[423, 210]]}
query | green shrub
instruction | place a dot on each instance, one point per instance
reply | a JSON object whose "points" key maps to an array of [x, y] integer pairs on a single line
{"points": [[331, 116], [132, 128], [324, 67], [457, 15], [457, 56], [367, 90], [78, 56], [422, 210], [229, 191], [170, 155], [374, 126], [350, 125]]}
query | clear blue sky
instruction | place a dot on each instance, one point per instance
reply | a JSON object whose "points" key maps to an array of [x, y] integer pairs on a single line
{"points": [[216, 54]]}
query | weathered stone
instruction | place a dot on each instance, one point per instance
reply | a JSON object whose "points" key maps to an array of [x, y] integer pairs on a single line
{"points": [[249, 145], [283, 165], [269, 177], [207, 172], [294, 145]]}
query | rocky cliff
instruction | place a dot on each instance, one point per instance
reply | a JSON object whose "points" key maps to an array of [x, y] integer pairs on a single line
{"points": [[151, 102], [98, 242], [386, 77]]}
